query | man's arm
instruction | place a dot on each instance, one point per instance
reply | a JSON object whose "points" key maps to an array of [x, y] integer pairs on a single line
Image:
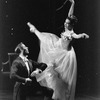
{"points": [[38, 65], [14, 73]]}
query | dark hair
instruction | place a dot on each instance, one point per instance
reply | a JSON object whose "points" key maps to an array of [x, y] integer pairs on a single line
{"points": [[19, 47], [73, 20]]}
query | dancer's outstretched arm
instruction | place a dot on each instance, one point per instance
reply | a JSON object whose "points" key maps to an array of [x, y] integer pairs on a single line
{"points": [[34, 30], [71, 10], [78, 36]]}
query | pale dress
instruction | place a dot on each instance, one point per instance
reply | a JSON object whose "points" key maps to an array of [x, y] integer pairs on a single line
{"points": [[61, 75]]}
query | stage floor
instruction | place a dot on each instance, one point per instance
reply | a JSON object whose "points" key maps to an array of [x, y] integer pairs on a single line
{"points": [[7, 95]]}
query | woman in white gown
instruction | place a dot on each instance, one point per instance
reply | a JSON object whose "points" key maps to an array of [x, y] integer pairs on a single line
{"points": [[60, 75]]}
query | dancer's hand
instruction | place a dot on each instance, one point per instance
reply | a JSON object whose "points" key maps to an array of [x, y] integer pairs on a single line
{"points": [[32, 27], [84, 35], [37, 71]]}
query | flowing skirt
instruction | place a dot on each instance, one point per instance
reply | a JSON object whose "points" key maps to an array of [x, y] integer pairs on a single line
{"points": [[61, 75]]}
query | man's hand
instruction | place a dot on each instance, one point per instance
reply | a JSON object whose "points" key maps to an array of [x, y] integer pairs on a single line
{"points": [[28, 80]]}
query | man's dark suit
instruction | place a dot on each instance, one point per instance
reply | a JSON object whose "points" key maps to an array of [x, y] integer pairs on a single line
{"points": [[19, 73]]}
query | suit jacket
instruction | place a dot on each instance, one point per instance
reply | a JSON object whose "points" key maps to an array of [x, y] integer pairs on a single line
{"points": [[19, 73]]}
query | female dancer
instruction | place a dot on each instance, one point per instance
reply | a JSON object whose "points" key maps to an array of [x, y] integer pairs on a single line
{"points": [[60, 75]]}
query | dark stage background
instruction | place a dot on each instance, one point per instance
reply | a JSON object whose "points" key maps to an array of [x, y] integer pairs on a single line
{"points": [[14, 15]]}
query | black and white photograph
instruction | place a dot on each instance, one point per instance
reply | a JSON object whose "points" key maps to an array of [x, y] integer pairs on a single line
{"points": [[49, 50]]}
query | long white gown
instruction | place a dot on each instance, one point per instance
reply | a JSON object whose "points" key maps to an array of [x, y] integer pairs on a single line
{"points": [[61, 77]]}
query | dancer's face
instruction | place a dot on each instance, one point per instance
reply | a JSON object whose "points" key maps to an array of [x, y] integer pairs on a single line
{"points": [[66, 24]]}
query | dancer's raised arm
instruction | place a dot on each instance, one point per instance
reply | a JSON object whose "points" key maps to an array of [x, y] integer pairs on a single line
{"points": [[34, 30], [78, 36], [71, 10]]}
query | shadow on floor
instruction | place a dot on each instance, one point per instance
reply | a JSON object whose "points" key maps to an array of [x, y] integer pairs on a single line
{"points": [[7, 95]]}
